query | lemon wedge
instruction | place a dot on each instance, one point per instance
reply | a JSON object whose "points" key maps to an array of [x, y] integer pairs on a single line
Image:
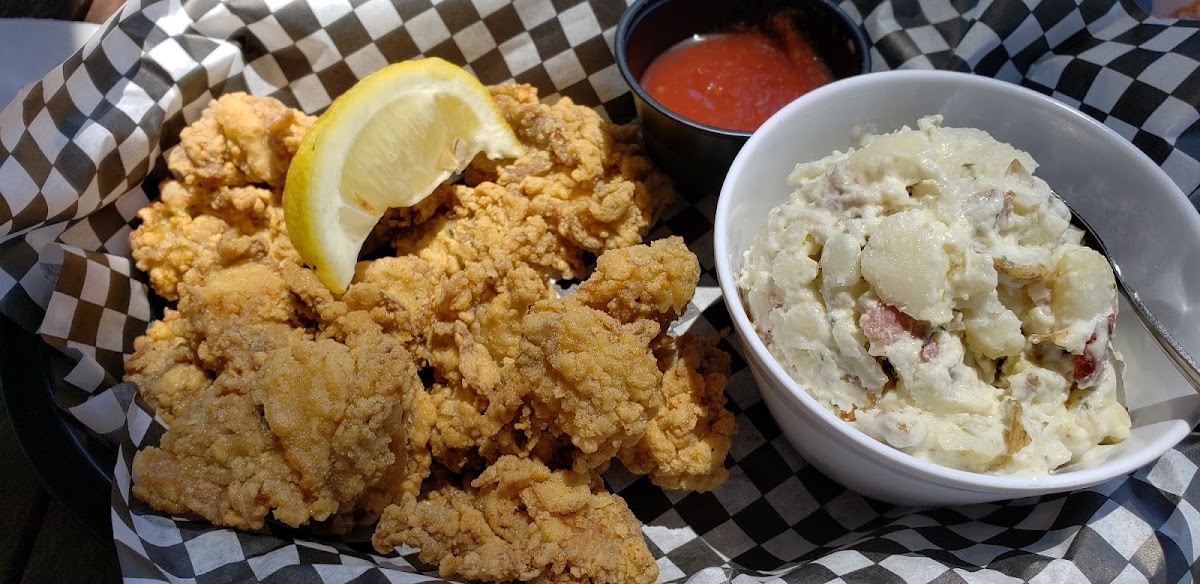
{"points": [[388, 141]]}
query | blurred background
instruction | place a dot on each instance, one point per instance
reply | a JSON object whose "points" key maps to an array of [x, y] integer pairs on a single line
{"points": [[77, 10]]}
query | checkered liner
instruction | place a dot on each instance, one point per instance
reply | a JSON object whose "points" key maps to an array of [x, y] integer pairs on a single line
{"points": [[76, 148]]}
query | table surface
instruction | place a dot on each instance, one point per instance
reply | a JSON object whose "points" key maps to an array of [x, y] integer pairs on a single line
{"points": [[40, 540]]}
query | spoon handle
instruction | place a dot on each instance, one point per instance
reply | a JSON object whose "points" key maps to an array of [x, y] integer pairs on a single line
{"points": [[1175, 352]]}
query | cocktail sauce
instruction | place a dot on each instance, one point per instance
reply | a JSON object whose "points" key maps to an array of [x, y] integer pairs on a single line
{"points": [[736, 80]]}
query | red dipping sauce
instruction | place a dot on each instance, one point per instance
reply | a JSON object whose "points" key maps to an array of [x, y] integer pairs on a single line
{"points": [[735, 80]]}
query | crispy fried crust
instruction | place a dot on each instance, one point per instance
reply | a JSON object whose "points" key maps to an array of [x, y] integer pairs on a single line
{"points": [[286, 402], [520, 521]]}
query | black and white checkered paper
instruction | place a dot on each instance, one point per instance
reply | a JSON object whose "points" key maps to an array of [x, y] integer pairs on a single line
{"points": [[77, 147]]}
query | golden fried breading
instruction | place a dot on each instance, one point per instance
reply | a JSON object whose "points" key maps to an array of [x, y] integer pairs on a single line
{"points": [[588, 178], [583, 184], [469, 360], [224, 206], [286, 401], [520, 521], [685, 444], [584, 379], [479, 332], [398, 219], [220, 461], [303, 427], [302, 438], [493, 229], [408, 433], [495, 242], [163, 366], [460, 428], [496, 322], [413, 461], [577, 382], [192, 231], [239, 140], [327, 403], [400, 294], [583, 384], [652, 282], [178, 356]]}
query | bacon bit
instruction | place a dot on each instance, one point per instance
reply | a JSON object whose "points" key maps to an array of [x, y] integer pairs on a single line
{"points": [[930, 350], [851, 201], [852, 415], [840, 195], [1004, 217], [1021, 272], [1056, 338], [1017, 438], [885, 324], [1085, 367], [1044, 349], [1033, 381]]}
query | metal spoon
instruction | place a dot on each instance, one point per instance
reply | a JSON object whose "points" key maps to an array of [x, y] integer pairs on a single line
{"points": [[1171, 347]]}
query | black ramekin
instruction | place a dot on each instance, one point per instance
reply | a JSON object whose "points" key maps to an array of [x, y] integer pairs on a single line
{"points": [[697, 155]]}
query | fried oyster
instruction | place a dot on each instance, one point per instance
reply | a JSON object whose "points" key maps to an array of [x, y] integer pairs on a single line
{"points": [[449, 353]]}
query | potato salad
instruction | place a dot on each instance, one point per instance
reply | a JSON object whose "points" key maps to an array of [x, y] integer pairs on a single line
{"points": [[930, 290]]}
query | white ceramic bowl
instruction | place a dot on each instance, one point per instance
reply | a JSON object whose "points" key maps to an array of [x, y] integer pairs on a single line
{"points": [[1148, 224]]}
